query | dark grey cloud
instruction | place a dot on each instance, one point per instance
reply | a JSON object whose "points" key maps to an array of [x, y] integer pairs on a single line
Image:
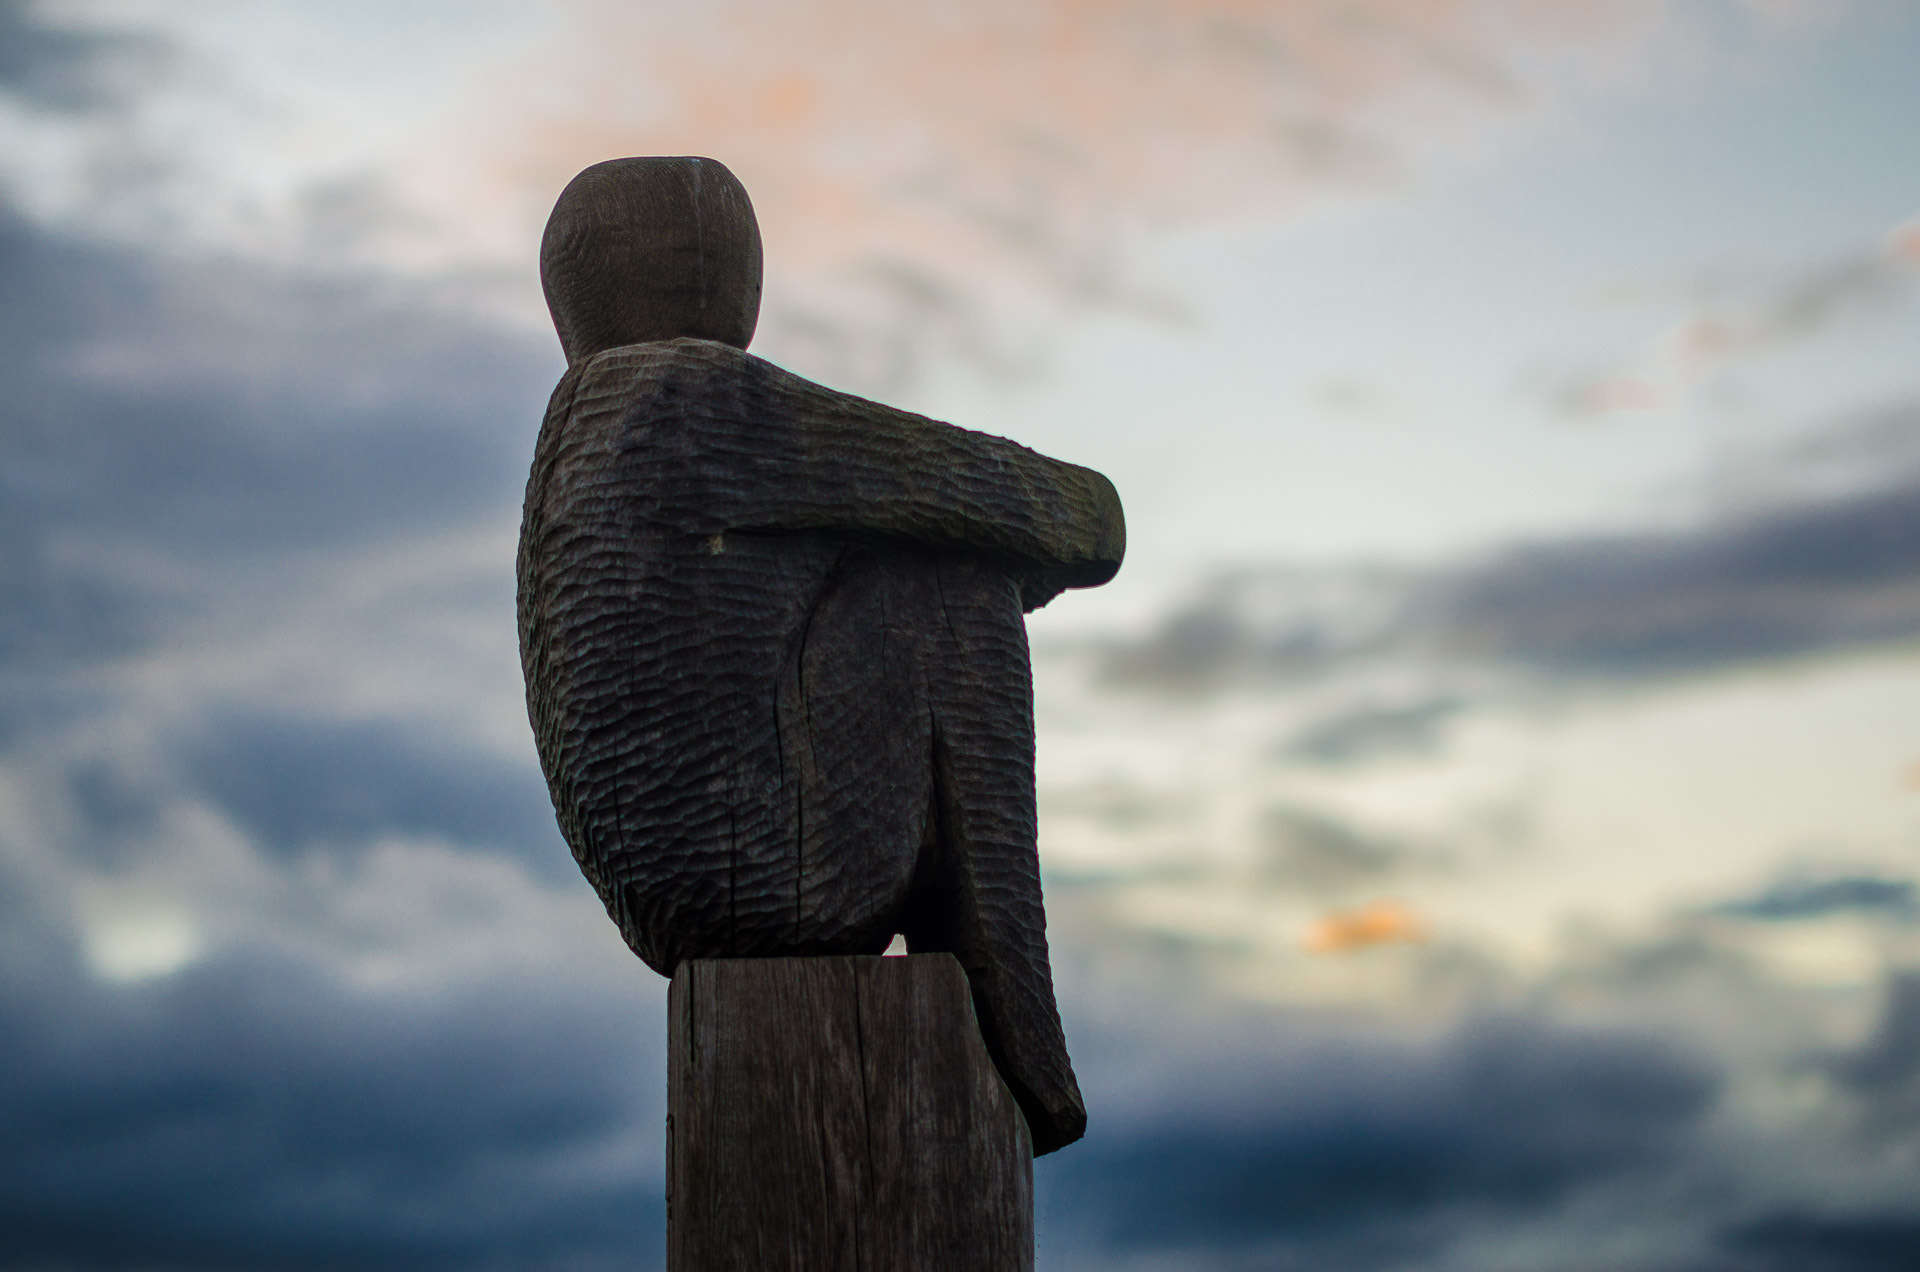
{"points": [[256, 1111], [211, 405], [1285, 621], [253, 441], [250, 1112], [1371, 1156], [304, 784], [1370, 730], [1883, 1072], [1826, 569], [196, 450], [188, 449], [215, 419], [1815, 898], [1809, 576], [1811, 1242], [65, 68], [1307, 849]]}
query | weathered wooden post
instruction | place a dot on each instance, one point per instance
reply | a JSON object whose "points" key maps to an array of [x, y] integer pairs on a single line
{"points": [[777, 671], [839, 1113]]}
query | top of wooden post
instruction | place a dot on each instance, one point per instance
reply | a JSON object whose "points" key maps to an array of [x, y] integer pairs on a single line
{"points": [[651, 249]]}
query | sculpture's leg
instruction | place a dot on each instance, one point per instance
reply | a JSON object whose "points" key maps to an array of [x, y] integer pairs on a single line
{"points": [[854, 729], [977, 891]]}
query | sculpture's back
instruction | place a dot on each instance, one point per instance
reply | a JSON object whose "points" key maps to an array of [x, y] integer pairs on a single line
{"points": [[775, 656]]}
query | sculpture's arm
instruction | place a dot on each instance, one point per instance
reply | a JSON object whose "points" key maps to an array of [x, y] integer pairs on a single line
{"points": [[762, 449]]}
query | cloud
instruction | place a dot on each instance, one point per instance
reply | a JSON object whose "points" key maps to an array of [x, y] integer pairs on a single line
{"points": [[1377, 923], [1307, 849], [215, 393], [1760, 315], [929, 177], [297, 972], [257, 531], [259, 710], [1816, 898], [1677, 1136], [1281, 620], [1034, 143], [1883, 1072], [1371, 730], [1786, 580], [1800, 1242], [190, 454], [69, 69], [254, 1111], [1042, 127], [1373, 1155], [298, 784], [1835, 564]]}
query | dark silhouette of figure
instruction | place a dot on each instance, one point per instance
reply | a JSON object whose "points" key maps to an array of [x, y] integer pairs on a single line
{"points": [[773, 638]]}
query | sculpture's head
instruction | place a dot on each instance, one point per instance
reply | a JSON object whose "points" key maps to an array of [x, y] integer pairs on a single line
{"points": [[651, 249]]}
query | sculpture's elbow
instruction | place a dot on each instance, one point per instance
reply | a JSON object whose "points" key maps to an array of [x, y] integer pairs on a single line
{"points": [[1095, 558], [1109, 538]]}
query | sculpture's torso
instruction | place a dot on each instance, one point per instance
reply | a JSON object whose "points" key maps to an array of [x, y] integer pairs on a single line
{"points": [[777, 672], [684, 716]]}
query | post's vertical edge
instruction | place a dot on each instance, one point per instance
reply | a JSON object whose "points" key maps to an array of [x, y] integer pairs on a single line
{"points": [[1000, 1145], [679, 1046]]}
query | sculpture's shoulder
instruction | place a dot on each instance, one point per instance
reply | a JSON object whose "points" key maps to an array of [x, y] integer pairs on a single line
{"points": [[661, 383], [660, 375], [607, 411]]}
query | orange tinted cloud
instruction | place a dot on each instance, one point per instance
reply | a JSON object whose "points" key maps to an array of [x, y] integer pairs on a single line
{"points": [[1621, 393], [1380, 923], [947, 153], [1782, 312], [1904, 243], [1029, 116]]}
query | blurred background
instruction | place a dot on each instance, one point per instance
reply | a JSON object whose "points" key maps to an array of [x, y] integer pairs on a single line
{"points": [[1481, 823]]}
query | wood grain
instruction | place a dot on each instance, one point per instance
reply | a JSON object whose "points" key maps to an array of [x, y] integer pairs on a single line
{"points": [[829, 1113], [773, 634]]}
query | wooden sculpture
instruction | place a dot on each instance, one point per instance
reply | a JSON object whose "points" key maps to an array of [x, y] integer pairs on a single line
{"points": [[773, 640]]}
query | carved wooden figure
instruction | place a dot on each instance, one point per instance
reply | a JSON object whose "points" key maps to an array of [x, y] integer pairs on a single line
{"points": [[773, 639]]}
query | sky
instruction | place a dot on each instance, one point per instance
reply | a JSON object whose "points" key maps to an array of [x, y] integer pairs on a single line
{"points": [[1481, 823]]}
